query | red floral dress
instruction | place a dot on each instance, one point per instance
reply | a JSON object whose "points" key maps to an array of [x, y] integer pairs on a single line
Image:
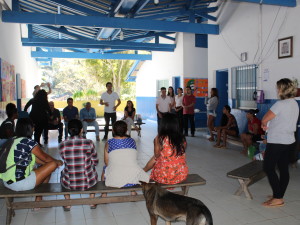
{"points": [[169, 168]]}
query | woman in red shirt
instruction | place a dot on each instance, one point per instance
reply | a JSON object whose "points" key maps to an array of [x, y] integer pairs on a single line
{"points": [[254, 130]]}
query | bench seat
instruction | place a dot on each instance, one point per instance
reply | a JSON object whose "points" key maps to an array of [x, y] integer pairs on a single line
{"points": [[57, 189], [247, 174]]}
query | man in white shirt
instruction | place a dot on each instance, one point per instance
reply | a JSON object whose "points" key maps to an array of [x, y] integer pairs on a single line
{"points": [[163, 105], [108, 99]]}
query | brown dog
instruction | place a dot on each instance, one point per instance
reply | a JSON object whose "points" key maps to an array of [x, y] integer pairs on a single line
{"points": [[174, 207]]}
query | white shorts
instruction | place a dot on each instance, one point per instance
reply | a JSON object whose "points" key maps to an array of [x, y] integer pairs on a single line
{"points": [[212, 113], [23, 185]]}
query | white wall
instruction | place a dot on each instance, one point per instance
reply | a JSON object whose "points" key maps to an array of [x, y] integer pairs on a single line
{"points": [[11, 50], [195, 59], [185, 61], [255, 29], [164, 65]]}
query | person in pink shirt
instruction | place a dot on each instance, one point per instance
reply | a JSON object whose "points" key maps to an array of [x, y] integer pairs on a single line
{"points": [[188, 103]]}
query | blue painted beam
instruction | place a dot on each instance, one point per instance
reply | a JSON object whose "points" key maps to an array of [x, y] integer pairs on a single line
{"points": [[96, 21], [137, 8], [167, 37], [93, 42], [15, 5], [288, 3], [72, 6], [90, 55], [205, 15], [63, 30]]}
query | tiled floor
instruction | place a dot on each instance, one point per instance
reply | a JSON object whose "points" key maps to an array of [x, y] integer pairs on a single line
{"points": [[211, 163]]}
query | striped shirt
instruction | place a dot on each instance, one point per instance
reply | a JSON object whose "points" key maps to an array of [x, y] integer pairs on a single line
{"points": [[80, 159]]}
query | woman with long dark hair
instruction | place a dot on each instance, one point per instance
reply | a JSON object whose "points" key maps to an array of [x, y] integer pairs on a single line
{"points": [[40, 113], [171, 93], [211, 105], [280, 124], [169, 160], [129, 114]]}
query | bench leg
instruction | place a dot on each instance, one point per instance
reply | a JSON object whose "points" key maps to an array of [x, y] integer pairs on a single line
{"points": [[185, 190], [244, 188], [10, 212]]}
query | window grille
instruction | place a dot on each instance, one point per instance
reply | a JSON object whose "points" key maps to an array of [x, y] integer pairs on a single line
{"points": [[161, 83], [244, 85]]}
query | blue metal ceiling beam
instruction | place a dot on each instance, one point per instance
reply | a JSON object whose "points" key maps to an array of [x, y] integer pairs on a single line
{"points": [[137, 8], [96, 21], [289, 3], [167, 37], [90, 55], [70, 5], [64, 30], [205, 15]]}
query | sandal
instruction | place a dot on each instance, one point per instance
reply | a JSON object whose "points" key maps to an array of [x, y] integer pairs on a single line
{"points": [[211, 139], [217, 146], [271, 203], [223, 146], [66, 208], [93, 206]]}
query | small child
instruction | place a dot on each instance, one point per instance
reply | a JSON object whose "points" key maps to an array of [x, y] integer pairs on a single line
{"points": [[262, 147], [120, 157]]}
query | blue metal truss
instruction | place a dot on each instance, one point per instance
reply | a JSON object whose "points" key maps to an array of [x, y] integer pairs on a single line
{"points": [[64, 43], [95, 21], [40, 55], [289, 3]]}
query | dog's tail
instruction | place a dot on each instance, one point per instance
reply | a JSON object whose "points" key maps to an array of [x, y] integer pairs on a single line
{"points": [[206, 217]]}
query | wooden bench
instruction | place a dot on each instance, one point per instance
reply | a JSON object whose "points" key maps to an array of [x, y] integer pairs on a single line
{"points": [[232, 139], [247, 174], [57, 189], [138, 129]]}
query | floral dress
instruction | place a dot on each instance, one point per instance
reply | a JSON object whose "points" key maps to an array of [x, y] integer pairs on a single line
{"points": [[169, 168]]}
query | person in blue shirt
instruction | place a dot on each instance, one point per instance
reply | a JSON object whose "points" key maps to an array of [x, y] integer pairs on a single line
{"points": [[69, 113], [88, 118]]}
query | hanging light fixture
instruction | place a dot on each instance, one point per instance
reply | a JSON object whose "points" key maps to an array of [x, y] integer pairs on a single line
{"points": [[121, 35], [156, 2]]}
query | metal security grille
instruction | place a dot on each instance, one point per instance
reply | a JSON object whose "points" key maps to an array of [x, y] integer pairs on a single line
{"points": [[244, 85], [159, 84]]}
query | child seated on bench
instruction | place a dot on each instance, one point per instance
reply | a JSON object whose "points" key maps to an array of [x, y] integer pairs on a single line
{"points": [[120, 157], [80, 157], [228, 127], [22, 176], [169, 162]]}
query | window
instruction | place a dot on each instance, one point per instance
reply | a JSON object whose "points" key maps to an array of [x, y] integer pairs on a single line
{"points": [[159, 84], [243, 84]]}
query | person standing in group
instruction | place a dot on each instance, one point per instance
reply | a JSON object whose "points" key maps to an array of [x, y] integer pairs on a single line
{"points": [[211, 105], [70, 112], [188, 103], [280, 124], [54, 123], [36, 89], [40, 113], [108, 99], [163, 105], [129, 114], [88, 118], [172, 96], [179, 108]]}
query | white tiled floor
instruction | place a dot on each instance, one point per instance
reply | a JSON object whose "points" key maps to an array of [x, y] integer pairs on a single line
{"points": [[211, 163]]}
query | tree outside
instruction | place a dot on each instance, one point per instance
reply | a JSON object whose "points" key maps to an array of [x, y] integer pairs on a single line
{"points": [[85, 79]]}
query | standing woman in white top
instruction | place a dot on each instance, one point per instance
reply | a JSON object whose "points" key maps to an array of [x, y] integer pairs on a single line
{"points": [[179, 108], [280, 124], [171, 94], [211, 105]]}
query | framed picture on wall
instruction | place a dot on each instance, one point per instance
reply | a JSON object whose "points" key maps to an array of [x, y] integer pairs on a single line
{"points": [[285, 47]]}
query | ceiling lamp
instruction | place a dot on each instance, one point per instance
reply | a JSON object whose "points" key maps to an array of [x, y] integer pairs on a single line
{"points": [[156, 2]]}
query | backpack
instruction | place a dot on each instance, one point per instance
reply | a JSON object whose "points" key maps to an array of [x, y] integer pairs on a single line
{"points": [[4, 151]]}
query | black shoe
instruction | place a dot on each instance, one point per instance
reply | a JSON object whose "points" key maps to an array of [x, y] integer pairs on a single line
{"points": [[59, 140], [104, 139]]}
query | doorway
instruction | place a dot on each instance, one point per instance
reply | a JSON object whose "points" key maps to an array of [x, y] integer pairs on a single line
{"points": [[222, 86]]}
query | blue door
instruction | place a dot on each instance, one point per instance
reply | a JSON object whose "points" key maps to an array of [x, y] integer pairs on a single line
{"points": [[222, 86], [176, 84]]}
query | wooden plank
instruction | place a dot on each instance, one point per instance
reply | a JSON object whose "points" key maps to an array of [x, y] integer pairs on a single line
{"points": [[57, 189], [247, 171]]}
